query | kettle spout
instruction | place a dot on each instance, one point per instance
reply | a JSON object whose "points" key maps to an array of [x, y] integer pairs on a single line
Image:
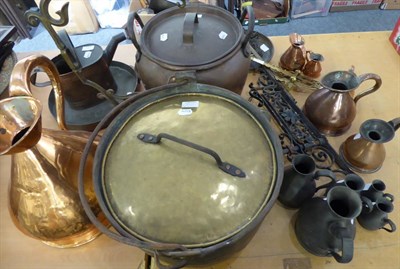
{"points": [[112, 46]]}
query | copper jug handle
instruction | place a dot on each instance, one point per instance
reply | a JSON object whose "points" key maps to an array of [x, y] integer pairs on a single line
{"points": [[20, 84], [364, 77]]}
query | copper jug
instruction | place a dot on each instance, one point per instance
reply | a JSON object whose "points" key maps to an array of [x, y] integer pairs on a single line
{"points": [[365, 152], [332, 108], [294, 57], [313, 68], [43, 196]]}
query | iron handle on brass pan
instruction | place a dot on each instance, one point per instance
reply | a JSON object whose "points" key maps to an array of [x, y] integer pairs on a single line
{"points": [[224, 166]]}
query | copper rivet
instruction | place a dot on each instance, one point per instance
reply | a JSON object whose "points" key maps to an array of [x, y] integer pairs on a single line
{"points": [[237, 172], [228, 166], [141, 136]]}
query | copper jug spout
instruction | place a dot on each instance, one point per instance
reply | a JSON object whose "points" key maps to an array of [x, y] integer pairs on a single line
{"points": [[43, 196]]}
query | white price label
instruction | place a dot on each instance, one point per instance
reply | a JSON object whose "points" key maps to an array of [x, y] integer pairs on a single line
{"points": [[87, 48], [222, 35], [264, 48], [87, 54], [164, 37], [185, 112], [191, 104]]}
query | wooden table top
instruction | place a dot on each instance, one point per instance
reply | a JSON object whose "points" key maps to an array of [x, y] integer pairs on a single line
{"points": [[275, 244]]}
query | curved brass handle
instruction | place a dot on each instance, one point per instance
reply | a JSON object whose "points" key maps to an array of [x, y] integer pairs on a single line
{"points": [[20, 84], [364, 77], [224, 166]]}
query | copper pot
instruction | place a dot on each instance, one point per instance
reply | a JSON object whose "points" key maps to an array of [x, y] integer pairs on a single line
{"points": [[204, 39], [332, 108]]}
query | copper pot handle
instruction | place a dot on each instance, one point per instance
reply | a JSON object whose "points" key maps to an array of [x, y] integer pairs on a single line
{"points": [[20, 84], [364, 77], [248, 11], [130, 31], [188, 27]]}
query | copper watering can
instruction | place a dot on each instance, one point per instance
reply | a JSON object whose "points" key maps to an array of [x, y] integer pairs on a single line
{"points": [[365, 152], [332, 108], [88, 75], [43, 197]]}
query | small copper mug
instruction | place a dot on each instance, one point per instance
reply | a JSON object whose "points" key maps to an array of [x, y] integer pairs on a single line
{"points": [[313, 68]]}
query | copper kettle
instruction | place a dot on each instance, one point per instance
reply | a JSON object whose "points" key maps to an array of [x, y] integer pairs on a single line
{"points": [[332, 108], [43, 195], [365, 151]]}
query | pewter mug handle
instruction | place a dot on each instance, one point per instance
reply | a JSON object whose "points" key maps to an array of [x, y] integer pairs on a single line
{"points": [[347, 246], [364, 77], [325, 173], [347, 251], [391, 224]]}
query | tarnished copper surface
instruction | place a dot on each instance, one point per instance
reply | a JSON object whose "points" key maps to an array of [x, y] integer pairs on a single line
{"points": [[43, 197]]}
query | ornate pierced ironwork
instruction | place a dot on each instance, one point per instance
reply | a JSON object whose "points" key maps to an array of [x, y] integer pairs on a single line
{"points": [[298, 135]]}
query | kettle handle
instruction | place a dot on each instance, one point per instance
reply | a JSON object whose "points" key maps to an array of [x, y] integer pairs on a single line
{"points": [[20, 85], [130, 31], [369, 76], [251, 21]]}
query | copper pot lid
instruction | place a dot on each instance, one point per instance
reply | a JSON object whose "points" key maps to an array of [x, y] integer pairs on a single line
{"points": [[194, 35], [170, 192]]}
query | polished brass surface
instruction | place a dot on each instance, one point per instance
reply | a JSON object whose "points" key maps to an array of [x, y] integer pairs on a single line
{"points": [[43, 196], [332, 108], [365, 151], [173, 194]]}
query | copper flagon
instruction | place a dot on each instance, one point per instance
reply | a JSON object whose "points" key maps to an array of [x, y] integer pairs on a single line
{"points": [[332, 108], [43, 197], [365, 152]]}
